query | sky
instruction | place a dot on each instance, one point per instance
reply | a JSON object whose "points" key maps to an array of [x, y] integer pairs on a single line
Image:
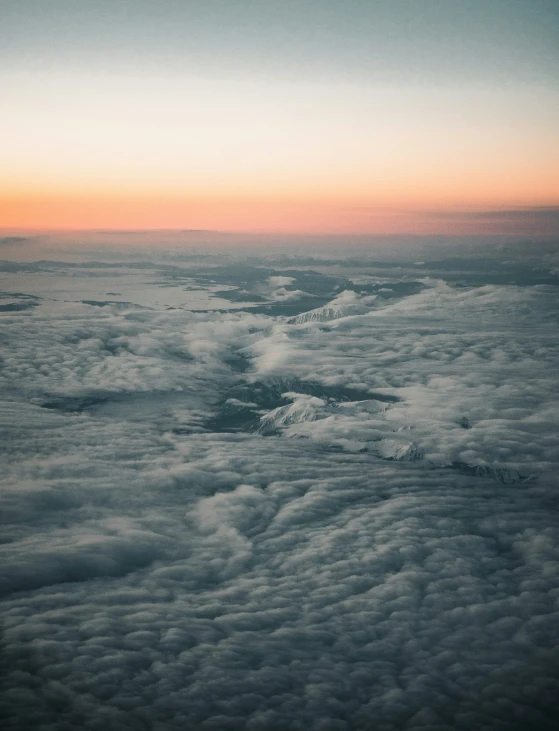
{"points": [[301, 117]]}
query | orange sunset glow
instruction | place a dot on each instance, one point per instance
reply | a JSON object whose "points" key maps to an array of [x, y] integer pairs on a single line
{"points": [[161, 144]]}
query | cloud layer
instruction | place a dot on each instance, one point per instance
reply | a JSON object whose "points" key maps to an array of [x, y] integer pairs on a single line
{"points": [[372, 543]]}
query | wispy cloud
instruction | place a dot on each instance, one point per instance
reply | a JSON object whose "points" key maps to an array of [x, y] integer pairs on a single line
{"points": [[537, 220]]}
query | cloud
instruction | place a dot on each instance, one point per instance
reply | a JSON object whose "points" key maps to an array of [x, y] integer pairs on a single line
{"points": [[159, 573], [525, 220], [10, 241], [547, 212]]}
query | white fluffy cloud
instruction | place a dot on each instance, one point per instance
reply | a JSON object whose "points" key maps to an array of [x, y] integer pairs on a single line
{"points": [[350, 571]]}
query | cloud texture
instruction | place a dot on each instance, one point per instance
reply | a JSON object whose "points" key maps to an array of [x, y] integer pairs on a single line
{"points": [[372, 545]]}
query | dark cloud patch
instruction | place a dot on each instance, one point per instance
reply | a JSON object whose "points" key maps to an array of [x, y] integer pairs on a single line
{"points": [[109, 303], [17, 301], [74, 404], [9, 241], [16, 306]]}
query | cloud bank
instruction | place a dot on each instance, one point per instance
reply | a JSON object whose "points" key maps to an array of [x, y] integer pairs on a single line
{"points": [[340, 519]]}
